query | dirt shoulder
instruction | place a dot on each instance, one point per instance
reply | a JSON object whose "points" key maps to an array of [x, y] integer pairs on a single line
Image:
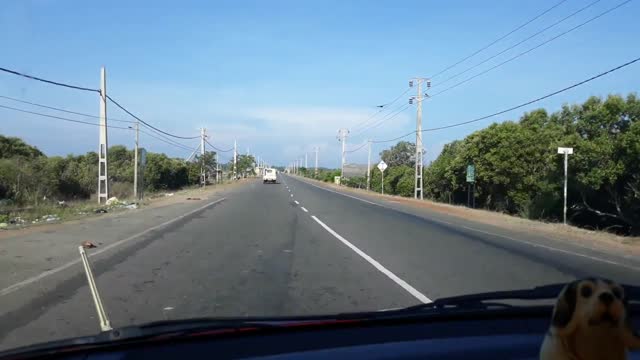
{"points": [[597, 240], [153, 201]]}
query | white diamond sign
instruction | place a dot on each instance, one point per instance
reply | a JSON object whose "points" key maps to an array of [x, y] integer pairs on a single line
{"points": [[382, 166]]}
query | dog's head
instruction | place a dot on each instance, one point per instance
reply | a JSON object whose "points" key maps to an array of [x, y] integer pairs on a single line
{"points": [[593, 305]]}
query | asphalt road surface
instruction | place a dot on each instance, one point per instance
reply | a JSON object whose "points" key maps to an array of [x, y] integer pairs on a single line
{"points": [[277, 249]]}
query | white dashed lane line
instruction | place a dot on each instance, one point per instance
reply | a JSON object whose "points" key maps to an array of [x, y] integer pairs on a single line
{"points": [[303, 209], [296, 201], [291, 195]]}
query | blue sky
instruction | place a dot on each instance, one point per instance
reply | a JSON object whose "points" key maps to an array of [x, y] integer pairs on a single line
{"points": [[282, 76]]}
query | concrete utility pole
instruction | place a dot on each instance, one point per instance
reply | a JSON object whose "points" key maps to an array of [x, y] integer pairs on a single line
{"points": [[235, 159], [135, 164], [316, 171], [203, 172], [217, 168], [342, 137], [103, 178], [305, 161], [418, 191], [369, 166], [566, 151]]}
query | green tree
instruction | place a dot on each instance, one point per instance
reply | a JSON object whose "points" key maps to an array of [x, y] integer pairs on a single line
{"points": [[403, 153]]}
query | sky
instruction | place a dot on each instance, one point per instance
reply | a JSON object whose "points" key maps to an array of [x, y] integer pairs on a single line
{"points": [[281, 77]]}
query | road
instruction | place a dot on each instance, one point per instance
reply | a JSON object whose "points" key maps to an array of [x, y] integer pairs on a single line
{"points": [[284, 249]]}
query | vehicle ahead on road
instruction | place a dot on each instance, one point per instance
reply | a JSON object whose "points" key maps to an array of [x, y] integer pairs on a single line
{"points": [[497, 325], [270, 176]]}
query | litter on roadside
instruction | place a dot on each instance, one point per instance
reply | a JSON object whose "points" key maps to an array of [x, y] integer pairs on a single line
{"points": [[168, 194], [112, 201], [194, 198]]}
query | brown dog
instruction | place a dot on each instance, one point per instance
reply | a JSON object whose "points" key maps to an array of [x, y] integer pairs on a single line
{"points": [[590, 321]]}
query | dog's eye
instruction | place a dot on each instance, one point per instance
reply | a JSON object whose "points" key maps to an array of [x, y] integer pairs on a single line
{"points": [[586, 291], [617, 293]]}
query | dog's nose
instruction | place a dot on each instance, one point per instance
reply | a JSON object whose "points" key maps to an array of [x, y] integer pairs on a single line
{"points": [[606, 297]]}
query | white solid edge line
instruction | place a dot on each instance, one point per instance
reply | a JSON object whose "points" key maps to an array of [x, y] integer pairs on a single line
{"points": [[410, 289], [296, 201], [547, 247], [21, 284], [303, 209]]}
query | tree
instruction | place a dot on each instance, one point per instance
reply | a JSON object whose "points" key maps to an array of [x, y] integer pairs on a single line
{"points": [[403, 153], [12, 146]]}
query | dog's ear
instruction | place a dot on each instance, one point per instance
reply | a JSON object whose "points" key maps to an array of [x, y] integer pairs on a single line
{"points": [[564, 309], [629, 335]]}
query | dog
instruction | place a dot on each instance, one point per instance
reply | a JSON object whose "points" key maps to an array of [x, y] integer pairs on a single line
{"points": [[590, 320]]}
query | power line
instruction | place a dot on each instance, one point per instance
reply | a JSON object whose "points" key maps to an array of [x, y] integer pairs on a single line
{"points": [[531, 49], [356, 149], [62, 110], [389, 116], [518, 43], [178, 145], [219, 150], [497, 40], [48, 81], [62, 118], [149, 125], [364, 124], [521, 105]]}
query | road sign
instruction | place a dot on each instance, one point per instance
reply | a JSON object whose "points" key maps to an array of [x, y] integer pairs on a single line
{"points": [[382, 166], [565, 150], [471, 173]]}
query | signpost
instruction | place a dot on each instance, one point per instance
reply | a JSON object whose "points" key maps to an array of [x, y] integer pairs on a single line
{"points": [[566, 151], [471, 182], [382, 166]]}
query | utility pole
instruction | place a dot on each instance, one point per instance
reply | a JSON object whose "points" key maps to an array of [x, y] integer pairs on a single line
{"points": [[342, 137], [235, 159], [316, 172], [566, 151], [419, 146], [203, 172], [135, 164], [217, 168], [103, 178], [305, 161], [369, 166]]}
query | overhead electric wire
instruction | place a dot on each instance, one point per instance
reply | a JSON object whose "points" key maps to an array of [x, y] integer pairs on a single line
{"points": [[388, 117], [356, 149], [497, 40], [364, 124], [62, 110], [216, 148], [533, 48], [178, 145], [518, 43], [62, 118], [31, 77], [520, 105], [93, 124], [149, 125]]}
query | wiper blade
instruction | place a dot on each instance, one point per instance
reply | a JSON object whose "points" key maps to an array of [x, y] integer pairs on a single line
{"points": [[481, 300]]}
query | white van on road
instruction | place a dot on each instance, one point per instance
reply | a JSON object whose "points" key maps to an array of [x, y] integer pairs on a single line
{"points": [[269, 176]]}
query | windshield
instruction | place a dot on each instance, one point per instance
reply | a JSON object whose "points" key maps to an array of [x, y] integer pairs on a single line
{"points": [[422, 149]]}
